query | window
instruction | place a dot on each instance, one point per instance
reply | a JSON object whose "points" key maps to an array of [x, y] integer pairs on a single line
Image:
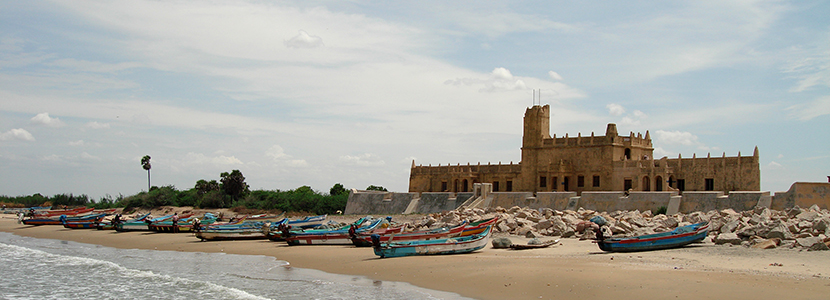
{"points": [[495, 186], [509, 186], [543, 181], [710, 184], [580, 181], [596, 180], [555, 183], [627, 154], [681, 184]]}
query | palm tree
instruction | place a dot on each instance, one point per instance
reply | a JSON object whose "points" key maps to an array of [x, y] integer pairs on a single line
{"points": [[145, 163]]}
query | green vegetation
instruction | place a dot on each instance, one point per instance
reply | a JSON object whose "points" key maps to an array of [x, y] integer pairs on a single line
{"points": [[230, 191], [661, 210]]}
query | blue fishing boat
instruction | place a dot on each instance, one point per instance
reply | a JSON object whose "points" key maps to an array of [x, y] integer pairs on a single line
{"points": [[678, 237], [455, 245], [338, 236], [60, 220]]}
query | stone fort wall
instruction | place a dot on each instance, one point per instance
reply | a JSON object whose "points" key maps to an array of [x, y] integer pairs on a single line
{"points": [[802, 194]]}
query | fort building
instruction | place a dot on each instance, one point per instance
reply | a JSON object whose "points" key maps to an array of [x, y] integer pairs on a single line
{"points": [[611, 162]]}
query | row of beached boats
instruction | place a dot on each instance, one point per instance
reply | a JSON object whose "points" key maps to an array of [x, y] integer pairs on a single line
{"points": [[387, 238]]}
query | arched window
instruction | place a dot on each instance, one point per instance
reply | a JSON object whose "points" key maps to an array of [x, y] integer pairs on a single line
{"points": [[646, 187], [627, 153]]}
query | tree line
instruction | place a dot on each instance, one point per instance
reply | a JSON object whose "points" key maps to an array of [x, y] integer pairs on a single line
{"points": [[230, 191]]}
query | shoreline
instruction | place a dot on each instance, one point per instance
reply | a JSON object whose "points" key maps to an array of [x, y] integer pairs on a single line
{"points": [[572, 269]]}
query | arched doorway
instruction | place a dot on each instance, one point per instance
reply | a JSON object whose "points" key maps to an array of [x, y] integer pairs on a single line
{"points": [[464, 186], [646, 186], [658, 183]]}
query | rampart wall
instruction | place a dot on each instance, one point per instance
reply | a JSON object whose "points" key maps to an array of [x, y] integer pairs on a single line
{"points": [[802, 194]]}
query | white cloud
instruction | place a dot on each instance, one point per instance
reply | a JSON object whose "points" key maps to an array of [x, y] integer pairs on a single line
{"points": [[366, 159], [89, 157], [17, 134], [277, 153], [44, 119], [615, 109], [555, 76], [193, 158], [774, 166], [304, 40], [96, 125], [500, 80], [76, 143], [678, 138], [808, 111]]}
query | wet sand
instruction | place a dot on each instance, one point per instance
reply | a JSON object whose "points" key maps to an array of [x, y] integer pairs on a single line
{"points": [[572, 269]]}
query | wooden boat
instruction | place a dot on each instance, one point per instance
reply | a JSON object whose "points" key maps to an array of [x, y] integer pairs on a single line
{"points": [[544, 244], [338, 236], [185, 224], [276, 234], [308, 222], [678, 237], [139, 224], [245, 231], [463, 229], [58, 220], [63, 212], [455, 245], [84, 224]]}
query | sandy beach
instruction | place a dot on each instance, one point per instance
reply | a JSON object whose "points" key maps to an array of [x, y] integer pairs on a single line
{"points": [[572, 269]]}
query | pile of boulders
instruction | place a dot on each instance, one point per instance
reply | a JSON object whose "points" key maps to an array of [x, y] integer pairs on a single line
{"points": [[759, 228]]}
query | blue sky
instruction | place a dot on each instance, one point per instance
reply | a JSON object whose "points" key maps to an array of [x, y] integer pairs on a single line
{"points": [[315, 93]]}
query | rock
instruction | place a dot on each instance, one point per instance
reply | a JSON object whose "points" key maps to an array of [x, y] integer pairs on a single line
{"points": [[818, 247], [523, 230], [534, 242], [808, 242], [568, 233], [727, 238], [532, 234], [730, 226], [807, 216], [544, 224], [767, 244], [501, 243], [780, 232]]}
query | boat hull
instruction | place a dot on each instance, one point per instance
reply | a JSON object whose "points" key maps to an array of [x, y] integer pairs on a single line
{"points": [[676, 238], [458, 245]]}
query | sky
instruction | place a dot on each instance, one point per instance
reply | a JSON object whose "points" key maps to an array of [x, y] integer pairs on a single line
{"points": [[296, 93]]}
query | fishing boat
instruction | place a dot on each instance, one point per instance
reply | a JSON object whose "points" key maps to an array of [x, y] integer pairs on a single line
{"points": [[455, 245], [463, 229], [678, 237], [184, 224], [140, 223], [338, 236], [308, 222], [62, 212], [276, 234], [84, 224], [59, 220], [245, 231]]}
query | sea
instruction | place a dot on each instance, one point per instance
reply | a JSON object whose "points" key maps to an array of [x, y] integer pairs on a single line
{"points": [[32, 268]]}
